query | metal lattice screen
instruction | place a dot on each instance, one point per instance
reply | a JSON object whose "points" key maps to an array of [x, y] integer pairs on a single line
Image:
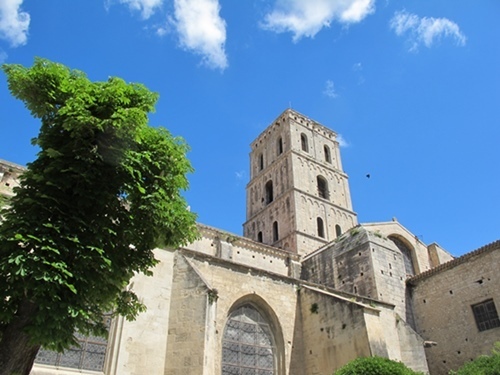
{"points": [[89, 355], [247, 344], [486, 315]]}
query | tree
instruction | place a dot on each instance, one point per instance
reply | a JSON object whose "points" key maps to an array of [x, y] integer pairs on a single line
{"points": [[482, 365], [375, 366], [104, 191]]}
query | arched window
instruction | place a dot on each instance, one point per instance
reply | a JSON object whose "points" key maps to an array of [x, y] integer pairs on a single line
{"points": [[276, 236], [261, 162], [321, 227], [405, 250], [322, 187], [279, 146], [269, 191], [338, 230], [89, 355], [259, 237], [328, 156], [303, 142], [248, 345]]}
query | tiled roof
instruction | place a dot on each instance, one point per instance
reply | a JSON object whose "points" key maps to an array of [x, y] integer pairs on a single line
{"points": [[455, 262]]}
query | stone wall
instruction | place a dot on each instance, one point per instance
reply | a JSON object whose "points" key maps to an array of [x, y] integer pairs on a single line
{"points": [[141, 344], [289, 156], [437, 255], [9, 177], [339, 328], [334, 332], [241, 250], [235, 284], [442, 300], [362, 263], [420, 254]]}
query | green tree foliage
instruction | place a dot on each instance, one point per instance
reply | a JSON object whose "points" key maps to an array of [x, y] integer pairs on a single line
{"points": [[103, 192], [482, 365], [375, 366]]}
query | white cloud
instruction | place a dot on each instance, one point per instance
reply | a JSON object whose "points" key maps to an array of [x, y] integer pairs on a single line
{"points": [[146, 7], [330, 89], [357, 67], [202, 30], [3, 56], [240, 175], [425, 30], [342, 142], [308, 17], [14, 23], [161, 30]]}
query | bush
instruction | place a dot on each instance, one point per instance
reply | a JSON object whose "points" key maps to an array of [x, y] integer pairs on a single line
{"points": [[375, 366], [483, 365]]}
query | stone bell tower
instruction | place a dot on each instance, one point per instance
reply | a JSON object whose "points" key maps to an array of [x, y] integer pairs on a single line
{"points": [[298, 196]]}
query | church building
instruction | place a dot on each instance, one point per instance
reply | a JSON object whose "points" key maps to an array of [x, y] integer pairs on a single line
{"points": [[305, 290]]}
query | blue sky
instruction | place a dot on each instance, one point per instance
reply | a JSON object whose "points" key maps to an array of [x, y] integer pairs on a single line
{"points": [[411, 86]]}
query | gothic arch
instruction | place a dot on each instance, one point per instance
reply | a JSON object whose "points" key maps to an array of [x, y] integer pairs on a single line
{"points": [[253, 311]]}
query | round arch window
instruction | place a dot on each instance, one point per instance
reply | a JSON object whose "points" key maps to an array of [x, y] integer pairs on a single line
{"points": [[248, 344]]}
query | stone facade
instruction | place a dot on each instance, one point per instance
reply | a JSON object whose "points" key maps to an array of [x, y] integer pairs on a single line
{"points": [[444, 298], [9, 177], [306, 290], [298, 196]]}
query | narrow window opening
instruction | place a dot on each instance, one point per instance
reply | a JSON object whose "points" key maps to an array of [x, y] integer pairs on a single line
{"points": [[321, 227], [261, 162], [275, 232], [322, 187], [328, 156], [269, 191], [338, 230], [280, 146], [259, 237], [304, 143]]}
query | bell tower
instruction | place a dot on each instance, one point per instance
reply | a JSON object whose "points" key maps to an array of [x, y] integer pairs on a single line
{"points": [[298, 197]]}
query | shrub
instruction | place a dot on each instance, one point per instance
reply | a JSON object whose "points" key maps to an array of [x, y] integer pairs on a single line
{"points": [[375, 366], [482, 365]]}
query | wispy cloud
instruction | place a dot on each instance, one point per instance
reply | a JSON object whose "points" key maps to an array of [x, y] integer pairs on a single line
{"points": [[342, 142], [14, 23], [146, 7], [357, 68], [307, 18], [330, 89], [425, 30], [240, 175], [202, 30]]}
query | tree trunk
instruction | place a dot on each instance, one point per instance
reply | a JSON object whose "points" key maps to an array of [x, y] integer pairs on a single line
{"points": [[17, 353]]}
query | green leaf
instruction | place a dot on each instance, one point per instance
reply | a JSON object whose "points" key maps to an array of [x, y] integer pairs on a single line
{"points": [[103, 180]]}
